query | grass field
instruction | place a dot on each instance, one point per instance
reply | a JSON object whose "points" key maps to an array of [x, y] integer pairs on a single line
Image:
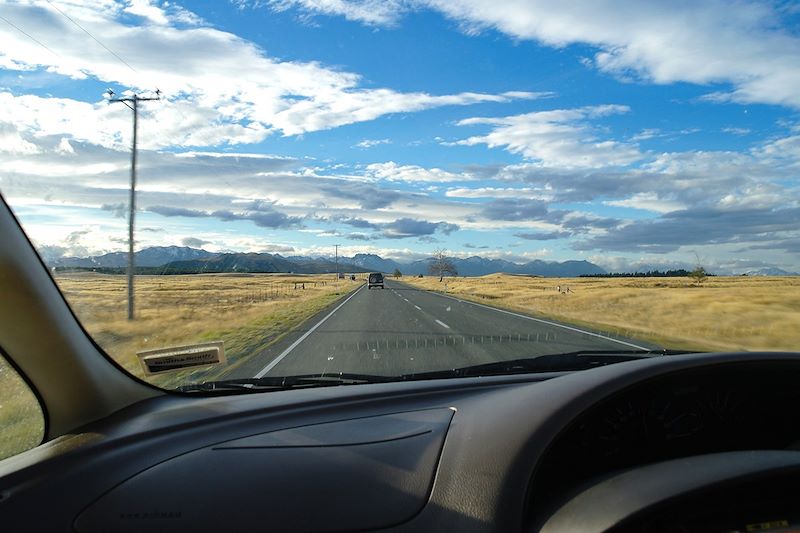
{"points": [[722, 313], [246, 311]]}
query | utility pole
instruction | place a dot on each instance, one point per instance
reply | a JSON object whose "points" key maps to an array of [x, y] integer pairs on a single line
{"points": [[135, 99], [336, 252]]}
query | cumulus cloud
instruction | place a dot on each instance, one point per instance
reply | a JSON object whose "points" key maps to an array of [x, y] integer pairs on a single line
{"points": [[409, 227], [734, 191], [194, 242], [648, 202], [356, 236], [266, 218], [365, 195], [264, 215], [242, 96], [742, 43], [11, 142], [369, 143], [372, 12], [790, 245], [354, 222], [119, 210], [697, 226], [560, 138], [515, 209], [277, 248], [500, 192], [391, 171], [543, 236], [168, 211], [736, 131]]}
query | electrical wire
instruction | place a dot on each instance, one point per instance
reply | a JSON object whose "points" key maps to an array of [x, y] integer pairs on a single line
{"points": [[109, 50], [29, 36]]}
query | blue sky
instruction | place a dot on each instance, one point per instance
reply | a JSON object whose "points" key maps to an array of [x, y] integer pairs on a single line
{"points": [[621, 132]]}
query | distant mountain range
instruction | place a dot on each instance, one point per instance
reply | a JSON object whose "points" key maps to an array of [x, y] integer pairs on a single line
{"points": [[480, 266], [149, 257], [184, 260], [770, 271]]}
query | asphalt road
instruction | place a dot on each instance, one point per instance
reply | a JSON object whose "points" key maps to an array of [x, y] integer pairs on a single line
{"points": [[402, 329]]}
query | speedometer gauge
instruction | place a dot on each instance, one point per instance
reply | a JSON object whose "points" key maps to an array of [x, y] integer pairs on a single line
{"points": [[622, 428]]}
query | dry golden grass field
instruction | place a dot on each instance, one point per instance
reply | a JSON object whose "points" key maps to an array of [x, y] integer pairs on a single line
{"points": [[246, 311], [722, 313]]}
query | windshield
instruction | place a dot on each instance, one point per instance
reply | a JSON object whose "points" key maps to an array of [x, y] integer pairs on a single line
{"points": [[360, 188]]}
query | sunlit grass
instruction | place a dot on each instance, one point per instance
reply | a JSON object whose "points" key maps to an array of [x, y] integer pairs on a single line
{"points": [[246, 311], [722, 313]]}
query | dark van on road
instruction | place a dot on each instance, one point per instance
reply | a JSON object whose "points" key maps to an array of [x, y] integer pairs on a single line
{"points": [[375, 280]]}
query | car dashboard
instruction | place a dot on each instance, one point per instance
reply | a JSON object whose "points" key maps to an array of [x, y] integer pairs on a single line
{"points": [[701, 442]]}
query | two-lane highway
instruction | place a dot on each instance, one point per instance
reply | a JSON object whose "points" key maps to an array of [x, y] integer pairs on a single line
{"points": [[402, 330]]}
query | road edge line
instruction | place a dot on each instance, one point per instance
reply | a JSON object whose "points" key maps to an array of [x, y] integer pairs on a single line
{"points": [[303, 337], [548, 322]]}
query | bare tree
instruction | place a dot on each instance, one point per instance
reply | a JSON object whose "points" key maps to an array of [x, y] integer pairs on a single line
{"points": [[441, 264], [699, 274]]}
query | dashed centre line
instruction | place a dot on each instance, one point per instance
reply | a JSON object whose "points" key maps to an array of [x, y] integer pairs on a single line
{"points": [[418, 308], [442, 324]]}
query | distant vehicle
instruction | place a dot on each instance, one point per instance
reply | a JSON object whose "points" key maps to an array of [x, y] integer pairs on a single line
{"points": [[341, 275], [375, 280]]}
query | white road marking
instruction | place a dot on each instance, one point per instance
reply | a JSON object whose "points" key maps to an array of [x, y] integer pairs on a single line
{"points": [[442, 324], [570, 328], [418, 308], [303, 337]]}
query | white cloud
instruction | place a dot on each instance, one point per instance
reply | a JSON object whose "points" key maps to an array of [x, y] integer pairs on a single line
{"points": [[614, 263], [736, 131], [781, 151], [369, 143], [647, 133], [372, 12], [500, 192], [64, 146], [11, 142], [391, 171], [560, 138], [218, 87], [648, 202], [145, 9], [660, 41]]}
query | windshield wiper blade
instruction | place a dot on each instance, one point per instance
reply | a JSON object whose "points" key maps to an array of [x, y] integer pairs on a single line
{"points": [[284, 382], [633, 353], [560, 362]]}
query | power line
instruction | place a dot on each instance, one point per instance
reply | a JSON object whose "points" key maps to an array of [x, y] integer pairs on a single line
{"points": [[109, 50], [29, 36]]}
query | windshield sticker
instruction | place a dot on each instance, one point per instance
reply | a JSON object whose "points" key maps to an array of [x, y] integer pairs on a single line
{"points": [[181, 357]]}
